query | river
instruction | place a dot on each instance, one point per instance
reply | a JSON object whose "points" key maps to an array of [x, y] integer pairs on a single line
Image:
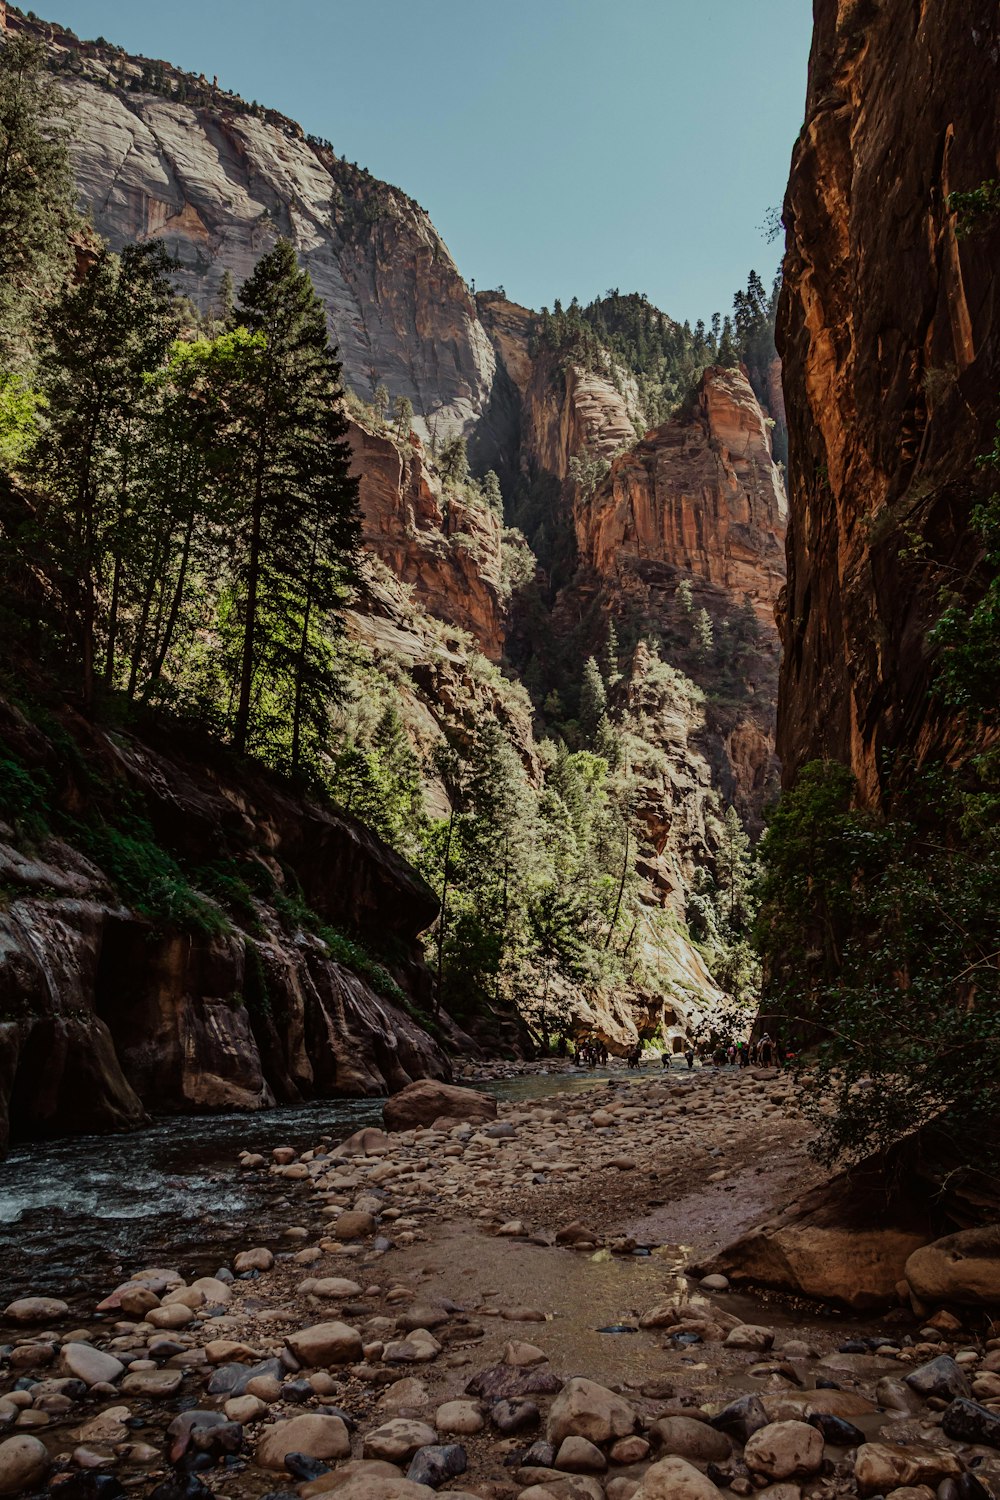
{"points": [[79, 1213]]}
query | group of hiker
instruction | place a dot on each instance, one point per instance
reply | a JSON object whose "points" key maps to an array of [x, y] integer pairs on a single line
{"points": [[765, 1052]]}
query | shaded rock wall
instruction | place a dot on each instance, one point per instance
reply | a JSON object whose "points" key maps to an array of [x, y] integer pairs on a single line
{"points": [[890, 342], [105, 1016]]}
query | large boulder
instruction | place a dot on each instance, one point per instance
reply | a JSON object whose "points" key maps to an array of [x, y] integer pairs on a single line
{"points": [[427, 1100], [963, 1268], [24, 1463], [315, 1434], [837, 1244]]}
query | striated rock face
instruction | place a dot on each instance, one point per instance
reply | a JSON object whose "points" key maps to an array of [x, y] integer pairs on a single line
{"points": [[217, 185], [703, 495], [104, 1015], [572, 413], [891, 352], [447, 550]]}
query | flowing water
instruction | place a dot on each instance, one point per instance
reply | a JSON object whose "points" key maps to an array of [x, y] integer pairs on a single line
{"points": [[77, 1214]]}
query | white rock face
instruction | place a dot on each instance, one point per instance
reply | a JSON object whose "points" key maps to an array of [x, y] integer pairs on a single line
{"points": [[218, 187]]}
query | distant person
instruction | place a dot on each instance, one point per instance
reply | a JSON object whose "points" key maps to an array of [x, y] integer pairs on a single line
{"points": [[664, 1058], [689, 1055]]}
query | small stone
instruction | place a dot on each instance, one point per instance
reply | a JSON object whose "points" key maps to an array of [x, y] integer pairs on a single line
{"points": [[785, 1450], [436, 1464], [258, 1259], [154, 1383], [463, 1418], [749, 1336], [326, 1344], [398, 1440], [675, 1479], [688, 1438], [630, 1450], [511, 1416], [716, 1282], [333, 1286], [244, 1409], [36, 1310], [578, 1456], [940, 1377], [90, 1365], [354, 1226], [741, 1418], [968, 1422], [175, 1315], [314, 1435], [522, 1356], [24, 1464], [882, 1467], [585, 1409]]}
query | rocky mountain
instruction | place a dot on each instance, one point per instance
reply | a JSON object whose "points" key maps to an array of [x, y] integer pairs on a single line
{"points": [[892, 367], [672, 534]]}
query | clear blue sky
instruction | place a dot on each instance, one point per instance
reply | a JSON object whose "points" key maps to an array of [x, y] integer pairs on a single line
{"points": [[560, 146]]}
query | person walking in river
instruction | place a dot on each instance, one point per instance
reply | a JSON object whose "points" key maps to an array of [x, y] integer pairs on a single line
{"points": [[689, 1055]]}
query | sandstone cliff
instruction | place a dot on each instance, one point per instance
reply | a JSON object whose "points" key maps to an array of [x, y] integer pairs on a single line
{"points": [[106, 1012], [443, 545], [701, 494], [160, 154], [889, 339]]}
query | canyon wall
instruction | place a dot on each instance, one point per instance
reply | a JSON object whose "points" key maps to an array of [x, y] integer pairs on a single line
{"points": [[106, 1013], [445, 547], [701, 494], [218, 183], [890, 343]]}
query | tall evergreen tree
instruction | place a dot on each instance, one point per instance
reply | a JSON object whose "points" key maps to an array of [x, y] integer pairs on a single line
{"points": [[105, 337], [593, 698], [299, 504]]}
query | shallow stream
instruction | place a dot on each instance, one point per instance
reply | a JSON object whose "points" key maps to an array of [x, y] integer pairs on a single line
{"points": [[77, 1214]]}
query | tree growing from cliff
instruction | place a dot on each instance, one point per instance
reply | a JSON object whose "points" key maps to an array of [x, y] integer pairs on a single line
{"points": [[593, 698], [297, 508]]}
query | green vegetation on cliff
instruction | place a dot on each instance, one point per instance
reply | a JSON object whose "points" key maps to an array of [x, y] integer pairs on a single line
{"points": [[880, 931]]}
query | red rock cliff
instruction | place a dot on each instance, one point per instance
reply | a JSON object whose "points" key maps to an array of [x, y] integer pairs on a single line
{"points": [[888, 332], [702, 494], [448, 550]]}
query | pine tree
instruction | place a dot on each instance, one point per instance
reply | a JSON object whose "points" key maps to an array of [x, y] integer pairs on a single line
{"points": [[703, 632], [37, 193], [106, 336], [404, 418], [453, 461], [610, 670], [299, 501], [593, 698]]}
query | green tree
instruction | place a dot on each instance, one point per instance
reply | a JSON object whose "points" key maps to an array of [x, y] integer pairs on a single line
{"points": [[453, 461], [37, 194], [593, 698], [297, 523], [105, 337], [403, 413]]}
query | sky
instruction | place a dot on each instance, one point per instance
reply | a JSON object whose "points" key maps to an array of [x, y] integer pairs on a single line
{"points": [[561, 147]]}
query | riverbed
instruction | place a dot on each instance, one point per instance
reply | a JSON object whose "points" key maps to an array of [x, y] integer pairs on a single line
{"points": [[82, 1210]]}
